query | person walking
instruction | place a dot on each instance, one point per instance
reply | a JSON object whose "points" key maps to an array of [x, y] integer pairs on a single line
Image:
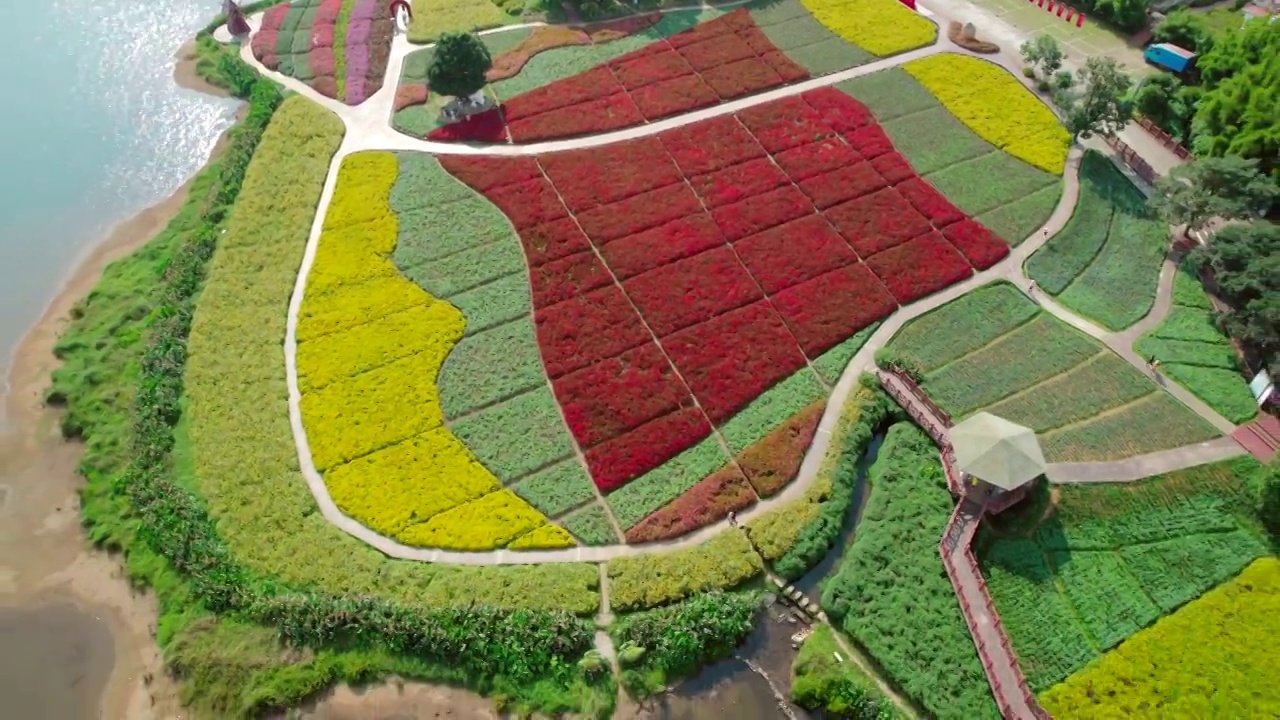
{"points": [[1031, 289], [733, 519]]}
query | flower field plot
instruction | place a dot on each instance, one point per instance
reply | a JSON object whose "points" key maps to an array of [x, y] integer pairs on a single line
{"points": [[338, 47], [1195, 353], [891, 593], [995, 350], [1014, 199], [1110, 560], [1213, 658], [433, 17], [1105, 264], [714, 262], [237, 450], [882, 27]]}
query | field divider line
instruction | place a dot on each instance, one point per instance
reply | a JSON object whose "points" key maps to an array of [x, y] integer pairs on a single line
{"points": [[1002, 337]]}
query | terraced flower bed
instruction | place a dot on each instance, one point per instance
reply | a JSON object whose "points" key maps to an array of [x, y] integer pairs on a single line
{"points": [[995, 350], [559, 82], [338, 47], [1109, 561], [1105, 264]]}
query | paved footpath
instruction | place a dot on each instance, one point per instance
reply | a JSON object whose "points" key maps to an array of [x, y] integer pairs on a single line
{"points": [[368, 128]]}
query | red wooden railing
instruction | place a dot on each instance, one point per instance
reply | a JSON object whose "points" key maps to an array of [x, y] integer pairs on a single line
{"points": [[1140, 167], [1165, 138]]}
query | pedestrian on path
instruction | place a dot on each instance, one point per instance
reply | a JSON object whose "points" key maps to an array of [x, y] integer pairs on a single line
{"points": [[733, 519], [1046, 234], [1031, 289], [1154, 364]]}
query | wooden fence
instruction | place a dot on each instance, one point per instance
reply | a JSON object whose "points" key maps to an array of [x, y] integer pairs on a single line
{"points": [[1165, 138]]}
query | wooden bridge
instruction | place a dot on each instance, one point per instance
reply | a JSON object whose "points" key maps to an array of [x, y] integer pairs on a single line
{"points": [[1008, 685]]}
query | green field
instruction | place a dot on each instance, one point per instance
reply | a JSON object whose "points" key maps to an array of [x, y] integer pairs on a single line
{"points": [[1105, 264], [995, 350], [1196, 354], [1111, 559]]}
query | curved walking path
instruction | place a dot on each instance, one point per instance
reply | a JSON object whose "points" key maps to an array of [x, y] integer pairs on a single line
{"points": [[368, 128]]}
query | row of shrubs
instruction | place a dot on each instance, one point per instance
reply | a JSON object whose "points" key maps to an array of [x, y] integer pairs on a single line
{"points": [[492, 646]]}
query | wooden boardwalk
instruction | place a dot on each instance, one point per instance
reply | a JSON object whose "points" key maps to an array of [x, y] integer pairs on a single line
{"points": [[1008, 685]]}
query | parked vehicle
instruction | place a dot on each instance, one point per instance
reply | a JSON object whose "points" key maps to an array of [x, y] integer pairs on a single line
{"points": [[1170, 57]]}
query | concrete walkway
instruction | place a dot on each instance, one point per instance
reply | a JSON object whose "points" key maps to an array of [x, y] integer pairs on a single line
{"points": [[368, 128]]}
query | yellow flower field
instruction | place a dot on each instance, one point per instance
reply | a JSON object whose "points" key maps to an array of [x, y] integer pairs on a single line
{"points": [[370, 347], [1214, 658], [881, 27], [547, 537], [996, 107]]}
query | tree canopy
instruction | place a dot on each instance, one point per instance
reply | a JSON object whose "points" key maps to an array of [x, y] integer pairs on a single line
{"points": [[1245, 259], [1241, 80], [459, 65], [1186, 30], [1228, 187], [1101, 106], [1043, 54]]}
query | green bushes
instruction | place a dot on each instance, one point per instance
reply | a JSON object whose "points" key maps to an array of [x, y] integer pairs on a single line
{"points": [[891, 593], [658, 647], [838, 689], [795, 537], [646, 581]]}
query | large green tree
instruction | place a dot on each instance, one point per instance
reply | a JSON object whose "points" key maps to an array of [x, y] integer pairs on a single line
{"points": [[1229, 187], [1101, 104], [1043, 54], [1245, 259], [1238, 112], [459, 65], [1184, 29]]}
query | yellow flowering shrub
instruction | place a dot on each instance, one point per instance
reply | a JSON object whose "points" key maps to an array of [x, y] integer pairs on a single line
{"points": [[547, 537], [881, 27], [724, 562], [370, 347], [482, 524], [996, 107]]}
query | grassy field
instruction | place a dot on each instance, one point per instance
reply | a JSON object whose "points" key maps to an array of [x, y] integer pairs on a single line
{"points": [[995, 350], [1110, 560], [1195, 353], [1213, 658], [1014, 198], [891, 593], [1105, 264]]}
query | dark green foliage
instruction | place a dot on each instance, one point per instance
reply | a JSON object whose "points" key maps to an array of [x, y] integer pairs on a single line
{"points": [[1241, 80], [1186, 30], [891, 593], [459, 65], [1245, 260], [1165, 101], [837, 689], [1230, 188], [674, 642], [817, 537], [1128, 15], [1101, 106], [1043, 54]]}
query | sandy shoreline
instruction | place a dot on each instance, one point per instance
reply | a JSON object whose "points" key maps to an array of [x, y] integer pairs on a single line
{"points": [[46, 560]]}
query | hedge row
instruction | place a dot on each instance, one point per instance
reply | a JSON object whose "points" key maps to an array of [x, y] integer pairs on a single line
{"points": [[486, 642]]}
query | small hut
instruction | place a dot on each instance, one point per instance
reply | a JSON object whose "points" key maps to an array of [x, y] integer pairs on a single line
{"points": [[237, 25], [996, 455]]}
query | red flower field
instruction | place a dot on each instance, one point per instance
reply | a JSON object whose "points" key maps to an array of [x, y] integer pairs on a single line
{"points": [[677, 277]]}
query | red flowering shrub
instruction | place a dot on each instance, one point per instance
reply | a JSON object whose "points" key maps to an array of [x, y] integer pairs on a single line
{"points": [[674, 96], [793, 252], [409, 95], [627, 456], [738, 182], [326, 86], [877, 222], [742, 77], [771, 463], [552, 241], [716, 51], [920, 267], [870, 141], [482, 127], [761, 212], [634, 254], [691, 290], [755, 39], [559, 280], [842, 184], [273, 18], [706, 503], [710, 145], [722, 25], [815, 158], [638, 72], [789, 70], [607, 113], [590, 85], [639, 212], [930, 202], [528, 203], [595, 176], [586, 329], [893, 168], [829, 308], [784, 124], [614, 396], [839, 111], [979, 245], [732, 358], [485, 172], [322, 62]]}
